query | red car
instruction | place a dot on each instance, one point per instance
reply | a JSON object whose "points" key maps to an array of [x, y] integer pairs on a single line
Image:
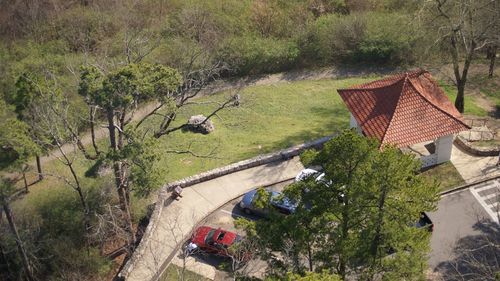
{"points": [[214, 241]]}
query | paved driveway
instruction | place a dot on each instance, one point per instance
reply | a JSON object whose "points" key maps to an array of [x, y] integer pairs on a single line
{"points": [[177, 220]]}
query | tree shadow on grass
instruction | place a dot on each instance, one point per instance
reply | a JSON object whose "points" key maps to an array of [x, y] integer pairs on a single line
{"points": [[476, 257]]}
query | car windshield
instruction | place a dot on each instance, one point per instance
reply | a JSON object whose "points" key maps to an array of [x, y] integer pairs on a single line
{"points": [[210, 237], [221, 236]]}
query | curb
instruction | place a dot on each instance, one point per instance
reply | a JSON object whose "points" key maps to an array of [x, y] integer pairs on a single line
{"points": [[467, 185]]}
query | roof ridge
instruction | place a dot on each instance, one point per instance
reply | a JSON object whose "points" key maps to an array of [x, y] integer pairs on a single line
{"points": [[395, 108], [379, 87], [434, 105]]}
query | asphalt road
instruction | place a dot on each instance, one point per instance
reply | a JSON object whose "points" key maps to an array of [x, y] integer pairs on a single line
{"points": [[459, 220]]}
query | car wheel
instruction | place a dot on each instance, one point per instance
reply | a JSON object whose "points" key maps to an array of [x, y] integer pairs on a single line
{"points": [[247, 211]]}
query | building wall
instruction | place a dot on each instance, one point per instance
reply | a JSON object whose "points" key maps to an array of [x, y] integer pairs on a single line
{"points": [[354, 124], [444, 145]]}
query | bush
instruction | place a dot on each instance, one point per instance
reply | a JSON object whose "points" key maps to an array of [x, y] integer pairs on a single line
{"points": [[388, 39], [361, 38], [333, 37], [254, 54], [84, 29]]}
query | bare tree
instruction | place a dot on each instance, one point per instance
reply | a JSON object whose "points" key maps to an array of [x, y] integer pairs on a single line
{"points": [[464, 27], [52, 117], [477, 257]]}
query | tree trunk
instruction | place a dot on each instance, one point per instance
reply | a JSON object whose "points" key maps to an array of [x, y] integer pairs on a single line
{"points": [[92, 111], [461, 78], [119, 179], [459, 100], [310, 257], [25, 181], [374, 251], [39, 168], [111, 127], [344, 235], [124, 203], [492, 54], [20, 246]]}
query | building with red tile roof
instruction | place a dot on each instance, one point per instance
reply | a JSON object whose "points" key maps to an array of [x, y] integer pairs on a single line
{"points": [[403, 110]]}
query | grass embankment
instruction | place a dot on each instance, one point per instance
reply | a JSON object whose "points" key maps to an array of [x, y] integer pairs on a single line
{"points": [[445, 174]]}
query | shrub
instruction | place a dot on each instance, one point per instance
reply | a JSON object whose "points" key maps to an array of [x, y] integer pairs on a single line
{"points": [[254, 54], [360, 38], [388, 39]]}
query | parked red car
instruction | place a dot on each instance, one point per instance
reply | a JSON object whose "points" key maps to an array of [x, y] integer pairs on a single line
{"points": [[214, 241]]}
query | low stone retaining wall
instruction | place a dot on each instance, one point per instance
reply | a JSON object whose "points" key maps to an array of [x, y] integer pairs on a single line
{"points": [[246, 164], [475, 150], [163, 195]]}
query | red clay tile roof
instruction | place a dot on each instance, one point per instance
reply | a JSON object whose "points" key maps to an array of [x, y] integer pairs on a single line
{"points": [[403, 109]]}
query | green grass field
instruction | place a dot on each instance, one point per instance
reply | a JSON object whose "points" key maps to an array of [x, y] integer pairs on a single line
{"points": [[471, 108], [445, 174], [269, 118]]}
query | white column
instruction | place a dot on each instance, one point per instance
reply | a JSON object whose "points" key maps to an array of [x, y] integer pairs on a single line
{"points": [[444, 145], [354, 124]]}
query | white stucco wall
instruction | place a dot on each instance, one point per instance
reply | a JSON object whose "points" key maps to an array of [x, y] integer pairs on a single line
{"points": [[354, 124], [444, 145]]}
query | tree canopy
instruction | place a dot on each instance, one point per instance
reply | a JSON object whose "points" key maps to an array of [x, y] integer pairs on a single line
{"points": [[359, 219]]}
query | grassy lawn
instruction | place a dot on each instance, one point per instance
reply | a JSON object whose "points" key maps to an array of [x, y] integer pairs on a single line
{"points": [[490, 87], [269, 118], [471, 108], [173, 273], [446, 174]]}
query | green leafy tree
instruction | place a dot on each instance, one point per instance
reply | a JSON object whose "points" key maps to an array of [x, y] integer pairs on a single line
{"points": [[118, 94], [364, 208], [16, 145], [24, 98], [313, 276]]}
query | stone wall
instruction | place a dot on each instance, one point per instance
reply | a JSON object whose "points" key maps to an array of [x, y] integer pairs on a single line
{"points": [[476, 150]]}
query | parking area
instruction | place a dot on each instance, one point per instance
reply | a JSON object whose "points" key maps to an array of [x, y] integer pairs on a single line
{"points": [[211, 266]]}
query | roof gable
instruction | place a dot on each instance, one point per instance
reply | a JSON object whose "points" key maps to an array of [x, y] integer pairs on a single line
{"points": [[403, 109]]}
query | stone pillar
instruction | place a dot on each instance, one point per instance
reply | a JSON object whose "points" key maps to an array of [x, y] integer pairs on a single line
{"points": [[354, 124], [444, 145]]}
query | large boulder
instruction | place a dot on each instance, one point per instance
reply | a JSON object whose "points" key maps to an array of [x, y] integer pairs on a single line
{"points": [[195, 124]]}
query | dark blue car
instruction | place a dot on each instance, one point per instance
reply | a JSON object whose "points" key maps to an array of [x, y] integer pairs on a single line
{"points": [[276, 200]]}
